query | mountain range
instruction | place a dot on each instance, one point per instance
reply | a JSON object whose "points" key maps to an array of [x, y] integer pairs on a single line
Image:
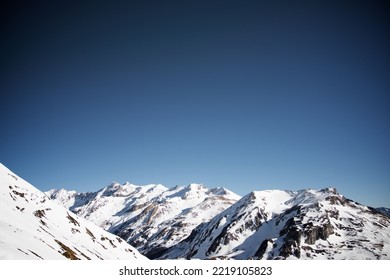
{"points": [[126, 221], [152, 218], [194, 222]]}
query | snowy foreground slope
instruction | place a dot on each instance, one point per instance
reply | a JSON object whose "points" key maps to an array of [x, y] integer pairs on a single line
{"points": [[152, 218], [34, 227], [307, 224]]}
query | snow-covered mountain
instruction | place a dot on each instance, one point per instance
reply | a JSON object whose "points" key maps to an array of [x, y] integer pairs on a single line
{"points": [[152, 218], [34, 227], [384, 210], [275, 224], [196, 222]]}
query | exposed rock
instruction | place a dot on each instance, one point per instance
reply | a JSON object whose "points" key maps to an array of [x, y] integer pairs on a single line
{"points": [[263, 247], [290, 247], [313, 233], [156, 252], [335, 199], [217, 241]]}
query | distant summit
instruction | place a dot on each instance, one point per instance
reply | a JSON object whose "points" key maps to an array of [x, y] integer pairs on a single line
{"points": [[151, 217], [384, 210]]}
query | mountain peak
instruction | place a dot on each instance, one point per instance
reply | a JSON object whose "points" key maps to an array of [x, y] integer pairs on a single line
{"points": [[152, 217], [274, 224], [332, 190], [196, 222]]}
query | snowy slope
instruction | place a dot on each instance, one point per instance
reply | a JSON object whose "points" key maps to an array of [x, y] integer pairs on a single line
{"points": [[152, 218], [307, 224], [34, 227]]}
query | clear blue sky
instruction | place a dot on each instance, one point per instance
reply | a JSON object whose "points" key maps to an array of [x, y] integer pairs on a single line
{"points": [[248, 95]]}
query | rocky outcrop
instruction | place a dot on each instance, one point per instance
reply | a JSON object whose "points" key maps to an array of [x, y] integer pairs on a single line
{"points": [[313, 233], [263, 247], [292, 233]]}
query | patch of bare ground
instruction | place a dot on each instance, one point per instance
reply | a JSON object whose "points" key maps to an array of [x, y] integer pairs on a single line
{"points": [[90, 234], [67, 252], [73, 220], [81, 253], [40, 213]]}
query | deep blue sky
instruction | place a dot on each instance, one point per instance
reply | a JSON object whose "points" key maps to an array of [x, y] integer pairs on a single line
{"points": [[248, 95]]}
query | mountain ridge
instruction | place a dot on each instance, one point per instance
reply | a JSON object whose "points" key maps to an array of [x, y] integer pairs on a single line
{"points": [[268, 224], [150, 217], [186, 222], [307, 224]]}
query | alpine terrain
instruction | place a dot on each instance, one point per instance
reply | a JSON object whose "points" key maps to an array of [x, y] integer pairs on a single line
{"points": [[32, 226], [152, 218], [275, 224], [193, 222]]}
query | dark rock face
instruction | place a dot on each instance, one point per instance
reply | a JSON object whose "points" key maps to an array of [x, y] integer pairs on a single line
{"points": [[313, 233], [252, 223], [156, 252], [293, 233], [294, 230], [292, 240], [290, 247], [263, 247], [255, 223], [191, 237], [221, 238], [336, 199]]}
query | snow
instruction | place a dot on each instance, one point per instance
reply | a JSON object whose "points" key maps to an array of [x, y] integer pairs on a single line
{"points": [[150, 216], [200, 223], [238, 231], [34, 227]]}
